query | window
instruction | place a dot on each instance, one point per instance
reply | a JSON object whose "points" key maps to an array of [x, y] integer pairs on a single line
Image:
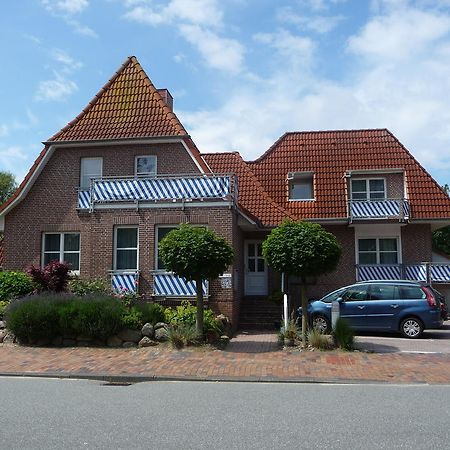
{"points": [[411, 292], [383, 292], [333, 296], [368, 189], [90, 168], [301, 186], [378, 251], [62, 247], [161, 232], [126, 248], [255, 260], [355, 294], [145, 165]]}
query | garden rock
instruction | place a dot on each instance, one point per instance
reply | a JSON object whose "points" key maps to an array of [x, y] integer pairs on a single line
{"points": [[2, 336], [147, 342], [161, 334], [114, 341], [226, 324], [2, 325], [130, 335], [129, 344], [9, 339], [159, 325], [148, 330]]}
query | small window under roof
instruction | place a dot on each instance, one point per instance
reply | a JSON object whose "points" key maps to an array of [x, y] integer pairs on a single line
{"points": [[301, 185]]}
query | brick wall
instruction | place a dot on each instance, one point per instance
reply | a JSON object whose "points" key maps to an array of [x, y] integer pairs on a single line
{"points": [[416, 243]]}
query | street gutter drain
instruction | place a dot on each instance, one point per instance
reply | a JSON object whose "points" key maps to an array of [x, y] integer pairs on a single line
{"points": [[116, 383]]}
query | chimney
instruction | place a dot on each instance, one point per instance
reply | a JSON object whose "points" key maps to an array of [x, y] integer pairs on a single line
{"points": [[165, 94]]}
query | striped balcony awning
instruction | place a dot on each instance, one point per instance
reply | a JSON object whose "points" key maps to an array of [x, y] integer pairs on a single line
{"points": [[439, 273], [379, 209], [170, 285], [123, 282], [366, 273]]}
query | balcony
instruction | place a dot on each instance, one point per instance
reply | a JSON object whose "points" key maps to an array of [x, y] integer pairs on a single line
{"points": [[166, 284], [429, 272], [379, 209], [141, 192]]}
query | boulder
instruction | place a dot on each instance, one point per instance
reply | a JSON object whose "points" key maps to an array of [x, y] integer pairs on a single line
{"points": [[147, 342], [129, 344], [161, 334], [9, 338], [2, 335], [114, 341], [148, 330], [2, 325], [159, 325], [129, 335]]}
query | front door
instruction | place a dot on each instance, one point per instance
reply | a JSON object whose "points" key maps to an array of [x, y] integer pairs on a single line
{"points": [[255, 269]]}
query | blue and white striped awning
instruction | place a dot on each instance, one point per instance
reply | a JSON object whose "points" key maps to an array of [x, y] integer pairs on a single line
{"points": [[379, 209], [379, 272], [123, 282], [84, 199], [170, 285], [439, 273]]}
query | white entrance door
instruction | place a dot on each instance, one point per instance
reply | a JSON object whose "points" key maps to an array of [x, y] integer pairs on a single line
{"points": [[255, 269]]}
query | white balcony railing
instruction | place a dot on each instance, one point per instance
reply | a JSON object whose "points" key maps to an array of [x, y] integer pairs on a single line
{"points": [[429, 272], [170, 188], [379, 209]]}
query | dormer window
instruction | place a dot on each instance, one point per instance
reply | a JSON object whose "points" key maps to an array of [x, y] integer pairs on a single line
{"points": [[369, 189], [301, 186], [145, 166]]}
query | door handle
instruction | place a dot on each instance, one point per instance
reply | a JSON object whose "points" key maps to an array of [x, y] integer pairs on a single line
{"points": [[394, 306], [361, 306]]}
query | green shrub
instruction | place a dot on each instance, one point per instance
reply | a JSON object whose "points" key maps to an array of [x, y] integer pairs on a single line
{"points": [[151, 312], [3, 305], [343, 335], [132, 318], [14, 285], [98, 286], [318, 340], [186, 313], [181, 335], [50, 315]]}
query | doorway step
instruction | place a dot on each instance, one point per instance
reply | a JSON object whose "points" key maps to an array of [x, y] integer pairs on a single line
{"points": [[258, 313]]}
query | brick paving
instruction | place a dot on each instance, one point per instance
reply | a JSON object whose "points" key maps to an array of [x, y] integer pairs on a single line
{"points": [[249, 357]]}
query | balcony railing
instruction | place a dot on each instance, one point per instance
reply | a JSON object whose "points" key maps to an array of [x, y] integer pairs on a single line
{"points": [[166, 284], [429, 272], [123, 282], [379, 209], [170, 188]]}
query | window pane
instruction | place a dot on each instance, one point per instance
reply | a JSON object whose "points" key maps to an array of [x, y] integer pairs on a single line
{"points": [[333, 296], [388, 258], [388, 245], [259, 247], [49, 257], [52, 242], [359, 186], [367, 245], [127, 238], [367, 258], [377, 196], [301, 190], [71, 241], [376, 185], [251, 265], [355, 293], [90, 168], [411, 292], [251, 249], [164, 231], [382, 292], [126, 259], [260, 265], [359, 196], [73, 259], [146, 165]]}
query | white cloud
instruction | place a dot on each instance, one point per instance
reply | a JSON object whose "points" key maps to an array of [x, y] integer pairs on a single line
{"points": [[67, 62], [9, 157], [4, 129], [65, 6], [57, 89], [317, 23]]}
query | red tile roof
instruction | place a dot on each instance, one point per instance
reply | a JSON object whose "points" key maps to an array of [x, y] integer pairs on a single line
{"points": [[330, 154]]}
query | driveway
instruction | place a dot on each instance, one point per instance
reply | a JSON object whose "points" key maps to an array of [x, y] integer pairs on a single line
{"points": [[432, 341]]}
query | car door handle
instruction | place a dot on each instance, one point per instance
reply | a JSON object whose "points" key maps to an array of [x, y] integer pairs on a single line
{"points": [[361, 306], [394, 306]]}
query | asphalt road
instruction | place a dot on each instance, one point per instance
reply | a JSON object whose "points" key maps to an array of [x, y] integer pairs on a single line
{"points": [[68, 414], [432, 341]]}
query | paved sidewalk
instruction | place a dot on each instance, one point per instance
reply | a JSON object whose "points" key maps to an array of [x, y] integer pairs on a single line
{"points": [[249, 357]]}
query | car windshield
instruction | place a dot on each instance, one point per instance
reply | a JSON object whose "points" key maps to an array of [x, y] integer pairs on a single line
{"points": [[333, 296]]}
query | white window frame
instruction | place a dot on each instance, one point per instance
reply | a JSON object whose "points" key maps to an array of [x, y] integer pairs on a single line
{"points": [[61, 248], [93, 175], [121, 227], [368, 191], [377, 248], [146, 174], [299, 176]]}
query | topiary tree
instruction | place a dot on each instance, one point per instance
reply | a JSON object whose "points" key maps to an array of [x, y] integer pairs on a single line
{"points": [[303, 249], [196, 254]]}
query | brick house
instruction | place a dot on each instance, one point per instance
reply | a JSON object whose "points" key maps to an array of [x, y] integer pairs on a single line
{"points": [[108, 187]]}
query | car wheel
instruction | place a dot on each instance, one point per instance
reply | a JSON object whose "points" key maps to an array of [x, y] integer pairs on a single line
{"points": [[411, 328], [321, 323]]}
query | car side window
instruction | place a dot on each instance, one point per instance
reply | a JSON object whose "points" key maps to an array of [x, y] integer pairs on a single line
{"points": [[355, 293], [383, 292], [333, 296], [411, 293]]}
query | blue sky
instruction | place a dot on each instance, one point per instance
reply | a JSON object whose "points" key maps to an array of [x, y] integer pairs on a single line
{"points": [[242, 72]]}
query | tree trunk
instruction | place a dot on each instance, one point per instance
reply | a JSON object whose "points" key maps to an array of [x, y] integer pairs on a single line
{"points": [[199, 321], [304, 313]]}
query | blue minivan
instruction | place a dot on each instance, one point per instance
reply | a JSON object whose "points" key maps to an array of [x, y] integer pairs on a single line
{"points": [[402, 306]]}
